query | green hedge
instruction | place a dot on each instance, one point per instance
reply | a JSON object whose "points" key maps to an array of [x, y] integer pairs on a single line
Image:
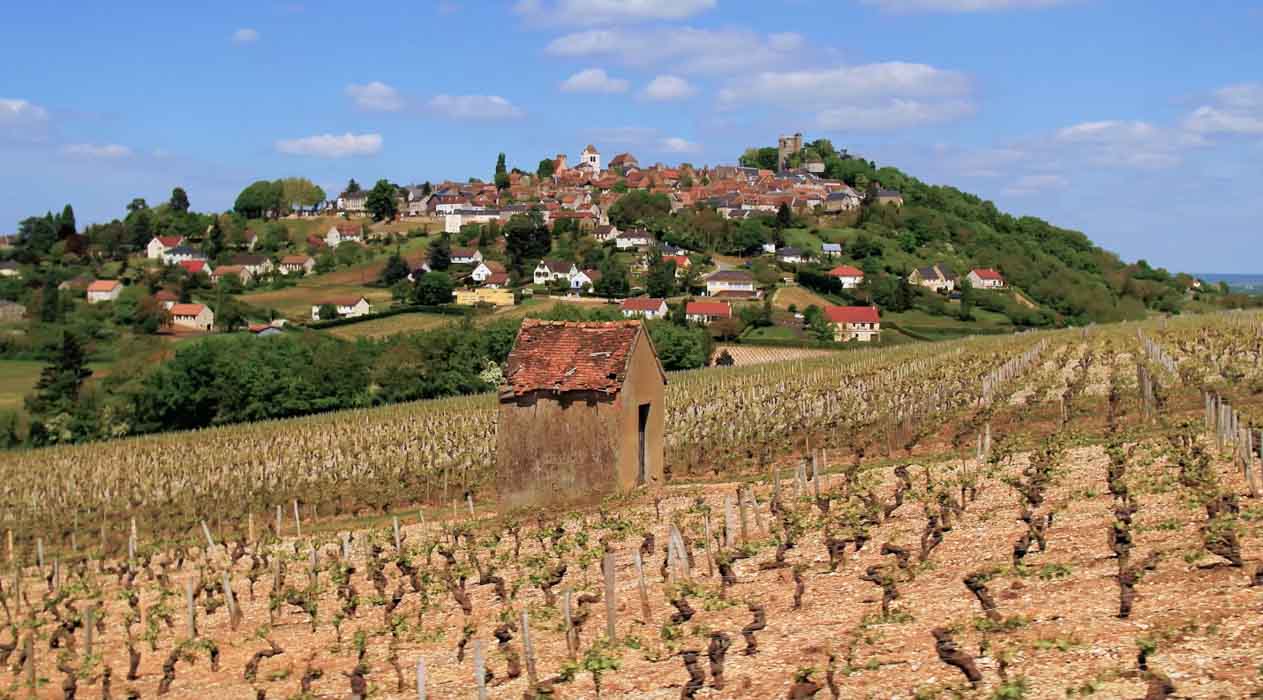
{"points": [[393, 311]]}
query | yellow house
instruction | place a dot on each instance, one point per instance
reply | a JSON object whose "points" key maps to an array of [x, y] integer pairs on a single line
{"points": [[485, 295]]}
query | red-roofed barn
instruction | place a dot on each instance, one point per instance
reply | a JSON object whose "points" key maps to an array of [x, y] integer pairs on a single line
{"points": [[581, 412]]}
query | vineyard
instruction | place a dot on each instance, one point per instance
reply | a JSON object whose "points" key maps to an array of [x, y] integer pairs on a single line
{"points": [[1062, 514]]}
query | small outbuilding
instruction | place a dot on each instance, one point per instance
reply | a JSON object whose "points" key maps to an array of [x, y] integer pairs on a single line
{"points": [[581, 412]]}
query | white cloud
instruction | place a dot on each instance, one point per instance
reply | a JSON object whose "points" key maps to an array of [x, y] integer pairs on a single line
{"points": [[849, 84], [332, 145], [20, 112], [609, 11], [1236, 110], [961, 5], [375, 97], [245, 35], [91, 150], [668, 87], [686, 49], [1109, 131], [893, 114], [1126, 144], [675, 144], [1034, 184], [594, 80], [871, 96], [481, 107]]}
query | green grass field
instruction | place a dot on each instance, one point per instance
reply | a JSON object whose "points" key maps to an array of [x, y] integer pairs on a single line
{"points": [[391, 325], [18, 377]]}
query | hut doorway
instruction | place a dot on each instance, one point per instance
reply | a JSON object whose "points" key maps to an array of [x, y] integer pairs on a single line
{"points": [[643, 423]]}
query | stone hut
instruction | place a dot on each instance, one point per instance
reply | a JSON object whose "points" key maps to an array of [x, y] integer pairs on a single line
{"points": [[581, 412]]}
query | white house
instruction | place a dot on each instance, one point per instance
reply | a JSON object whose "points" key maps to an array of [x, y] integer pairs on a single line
{"points": [[644, 307], [197, 317], [8, 268], [258, 265], [704, 312], [850, 277], [789, 255], [297, 265], [605, 233], [346, 307], [343, 233], [241, 272], [161, 244], [630, 240], [938, 277], [861, 323], [181, 253], [455, 219], [485, 269], [353, 202], [731, 283], [548, 270], [104, 290], [985, 278], [466, 256], [830, 250], [584, 279]]}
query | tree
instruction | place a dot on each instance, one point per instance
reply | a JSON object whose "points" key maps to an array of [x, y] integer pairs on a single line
{"points": [[214, 243], [546, 168], [439, 253], [258, 199], [784, 217], [396, 269], [55, 398], [966, 299], [613, 283], [381, 203], [762, 158], [639, 207], [36, 236], [818, 324], [352, 187], [66, 223], [179, 201], [50, 302], [300, 191], [433, 289], [527, 237], [679, 348], [327, 312], [136, 205], [660, 280], [502, 174]]}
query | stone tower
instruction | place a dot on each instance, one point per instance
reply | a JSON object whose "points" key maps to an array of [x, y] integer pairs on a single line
{"points": [[787, 146]]}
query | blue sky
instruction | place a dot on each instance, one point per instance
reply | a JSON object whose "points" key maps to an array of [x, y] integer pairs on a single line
{"points": [[1139, 122]]}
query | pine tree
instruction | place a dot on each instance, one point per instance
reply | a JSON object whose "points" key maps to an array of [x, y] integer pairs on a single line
{"points": [[66, 223], [502, 173], [179, 200], [57, 390], [50, 302]]}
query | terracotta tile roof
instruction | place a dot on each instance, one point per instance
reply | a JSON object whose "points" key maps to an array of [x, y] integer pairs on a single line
{"points": [[170, 241], [497, 278], [295, 259], [193, 266], [846, 271], [716, 309], [166, 295], [987, 273], [560, 356], [642, 304], [103, 286], [852, 314], [187, 309]]}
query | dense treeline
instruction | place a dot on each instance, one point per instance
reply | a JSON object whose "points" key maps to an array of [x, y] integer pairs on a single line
{"points": [[240, 377]]}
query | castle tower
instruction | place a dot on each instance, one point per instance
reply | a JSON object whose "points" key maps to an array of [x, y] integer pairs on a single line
{"points": [[592, 157], [787, 146]]}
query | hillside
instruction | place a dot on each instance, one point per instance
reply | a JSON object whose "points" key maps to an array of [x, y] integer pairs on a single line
{"points": [[1072, 279]]}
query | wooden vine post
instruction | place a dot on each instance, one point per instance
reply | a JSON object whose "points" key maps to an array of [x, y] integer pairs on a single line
{"points": [[191, 611], [480, 670], [741, 504], [298, 520], [640, 584], [730, 523], [421, 678], [611, 603], [528, 648], [234, 612], [278, 521], [567, 622]]}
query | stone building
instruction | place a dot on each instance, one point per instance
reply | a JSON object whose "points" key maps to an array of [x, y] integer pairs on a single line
{"points": [[787, 146], [581, 412]]}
